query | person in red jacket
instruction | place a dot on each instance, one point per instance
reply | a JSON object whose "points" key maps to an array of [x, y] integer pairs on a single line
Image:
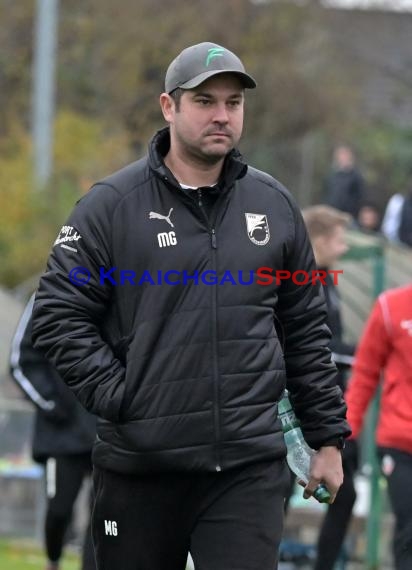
{"points": [[386, 346]]}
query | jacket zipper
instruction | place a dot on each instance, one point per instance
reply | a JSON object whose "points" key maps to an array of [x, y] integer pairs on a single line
{"points": [[216, 390], [199, 198], [216, 387]]}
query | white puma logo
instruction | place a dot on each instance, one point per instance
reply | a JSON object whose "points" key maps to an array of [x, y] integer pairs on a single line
{"points": [[155, 215]]}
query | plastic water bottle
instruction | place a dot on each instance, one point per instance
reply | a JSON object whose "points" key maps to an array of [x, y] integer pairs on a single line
{"points": [[299, 453]]}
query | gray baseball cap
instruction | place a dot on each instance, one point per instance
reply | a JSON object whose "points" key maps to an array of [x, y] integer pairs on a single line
{"points": [[197, 63]]}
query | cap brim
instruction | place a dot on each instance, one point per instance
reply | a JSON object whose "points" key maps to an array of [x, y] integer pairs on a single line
{"points": [[247, 80]]}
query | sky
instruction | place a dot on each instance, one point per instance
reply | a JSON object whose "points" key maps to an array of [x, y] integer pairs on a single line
{"points": [[390, 5], [394, 5]]}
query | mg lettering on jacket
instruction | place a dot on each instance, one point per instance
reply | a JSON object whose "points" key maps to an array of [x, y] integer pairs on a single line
{"points": [[166, 239], [110, 528]]}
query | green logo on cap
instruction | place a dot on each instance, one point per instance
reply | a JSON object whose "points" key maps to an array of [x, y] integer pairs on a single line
{"points": [[214, 52]]}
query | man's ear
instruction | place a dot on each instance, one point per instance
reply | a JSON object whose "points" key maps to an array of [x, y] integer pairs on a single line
{"points": [[167, 105]]}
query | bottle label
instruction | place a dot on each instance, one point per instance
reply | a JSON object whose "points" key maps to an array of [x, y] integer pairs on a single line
{"points": [[288, 426]]}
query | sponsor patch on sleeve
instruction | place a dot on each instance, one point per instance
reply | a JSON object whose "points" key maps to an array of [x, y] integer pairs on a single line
{"points": [[67, 238]]}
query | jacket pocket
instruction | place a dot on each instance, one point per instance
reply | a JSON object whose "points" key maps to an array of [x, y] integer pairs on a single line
{"points": [[121, 347]]}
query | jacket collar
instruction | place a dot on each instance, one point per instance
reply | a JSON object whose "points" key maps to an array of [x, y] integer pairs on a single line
{"points": [[234, 166]]}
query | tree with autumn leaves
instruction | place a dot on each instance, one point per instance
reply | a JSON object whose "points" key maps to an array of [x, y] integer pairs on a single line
{"points": [[111, 62]]}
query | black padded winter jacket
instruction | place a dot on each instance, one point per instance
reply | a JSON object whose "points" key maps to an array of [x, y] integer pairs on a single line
{"points": [[184, 374]]}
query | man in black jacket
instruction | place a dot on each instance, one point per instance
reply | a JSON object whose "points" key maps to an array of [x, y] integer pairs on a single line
{"points": [[345, 186], [161, 307], [63, 437]]}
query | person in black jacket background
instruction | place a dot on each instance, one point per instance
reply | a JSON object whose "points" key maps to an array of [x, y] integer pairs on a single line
{"points": [[162, 310], [327, 228], [63, 436], [344, 186]]}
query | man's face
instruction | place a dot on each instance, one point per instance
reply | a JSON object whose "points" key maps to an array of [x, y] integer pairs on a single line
{"points": [[344, 158], [209, 120], [368, 218], [330, 248]]}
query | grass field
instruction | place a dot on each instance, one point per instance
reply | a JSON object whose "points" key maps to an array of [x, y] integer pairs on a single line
{"points": [[15, 555]]}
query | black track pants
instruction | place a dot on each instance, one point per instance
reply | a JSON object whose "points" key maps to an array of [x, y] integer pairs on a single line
{"points": [[397, 468], [231, 520], [64, 477]]}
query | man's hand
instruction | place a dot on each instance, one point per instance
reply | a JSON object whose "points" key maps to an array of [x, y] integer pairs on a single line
{"points": [[326, 468]]}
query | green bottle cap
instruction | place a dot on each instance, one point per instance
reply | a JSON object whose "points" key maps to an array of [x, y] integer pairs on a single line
{"points": [[322, 494]]}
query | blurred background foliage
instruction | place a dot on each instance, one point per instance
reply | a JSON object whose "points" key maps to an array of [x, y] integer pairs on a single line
{"points": [[112, 58]]}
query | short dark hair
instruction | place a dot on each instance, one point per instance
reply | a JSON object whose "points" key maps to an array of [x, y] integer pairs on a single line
{"points": [[176, 95]]}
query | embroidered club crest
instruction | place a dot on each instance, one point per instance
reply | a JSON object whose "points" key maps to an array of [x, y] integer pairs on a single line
{"points": [[257, 228]]}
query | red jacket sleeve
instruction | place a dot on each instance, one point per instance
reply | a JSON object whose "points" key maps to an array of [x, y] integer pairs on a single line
{"points": [[370, 359]]}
